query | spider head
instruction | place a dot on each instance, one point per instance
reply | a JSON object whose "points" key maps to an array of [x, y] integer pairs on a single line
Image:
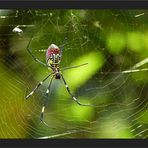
{"points": [[53, 55]]}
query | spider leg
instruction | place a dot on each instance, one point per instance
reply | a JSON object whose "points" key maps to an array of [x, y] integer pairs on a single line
{"points": [[37, 86], [70, 67], [65, 42], [45, 102], [74, 98], [34, 57]]}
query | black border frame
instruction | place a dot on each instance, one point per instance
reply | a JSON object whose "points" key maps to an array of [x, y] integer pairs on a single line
{"points": [[74, 4], [68, 143]]}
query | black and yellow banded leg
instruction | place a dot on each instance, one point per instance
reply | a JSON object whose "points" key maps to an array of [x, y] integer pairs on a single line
{"points": [[74, 98], [46, 99], [37, 86]]}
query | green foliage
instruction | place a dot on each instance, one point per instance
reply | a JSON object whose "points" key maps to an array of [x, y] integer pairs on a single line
{"points": [[116, 43], [135, 41], [79, 76]]}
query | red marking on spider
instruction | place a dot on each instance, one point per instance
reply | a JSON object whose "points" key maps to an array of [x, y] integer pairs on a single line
{"points": [[52, 49]]}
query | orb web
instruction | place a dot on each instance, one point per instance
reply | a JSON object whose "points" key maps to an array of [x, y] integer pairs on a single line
{"points": [[117, 87]]}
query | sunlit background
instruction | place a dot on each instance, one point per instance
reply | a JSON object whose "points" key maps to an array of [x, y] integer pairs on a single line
{"points": [[114, 43]]}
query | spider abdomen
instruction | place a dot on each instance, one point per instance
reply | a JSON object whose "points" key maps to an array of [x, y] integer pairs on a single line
{"points": [[53, 55]]}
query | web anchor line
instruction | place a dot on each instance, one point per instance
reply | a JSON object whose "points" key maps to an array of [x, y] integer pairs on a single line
{"points": [[133, 68]]}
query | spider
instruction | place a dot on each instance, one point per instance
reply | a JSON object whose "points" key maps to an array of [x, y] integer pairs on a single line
{"points": [[53, 59]]}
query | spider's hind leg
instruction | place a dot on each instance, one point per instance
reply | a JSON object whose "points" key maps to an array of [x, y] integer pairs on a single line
{"points": [[46, 100], [74, 98], [37, 86]]}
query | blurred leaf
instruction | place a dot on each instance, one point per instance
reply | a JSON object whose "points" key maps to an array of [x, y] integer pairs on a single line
{"points": [[11, 106], [80, 113], [78, 76], [116, 43], [118, 131], [135, 41], [143, 117]]}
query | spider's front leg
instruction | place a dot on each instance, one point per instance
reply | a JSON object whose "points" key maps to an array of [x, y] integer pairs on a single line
{"points": [[32, 55]]}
